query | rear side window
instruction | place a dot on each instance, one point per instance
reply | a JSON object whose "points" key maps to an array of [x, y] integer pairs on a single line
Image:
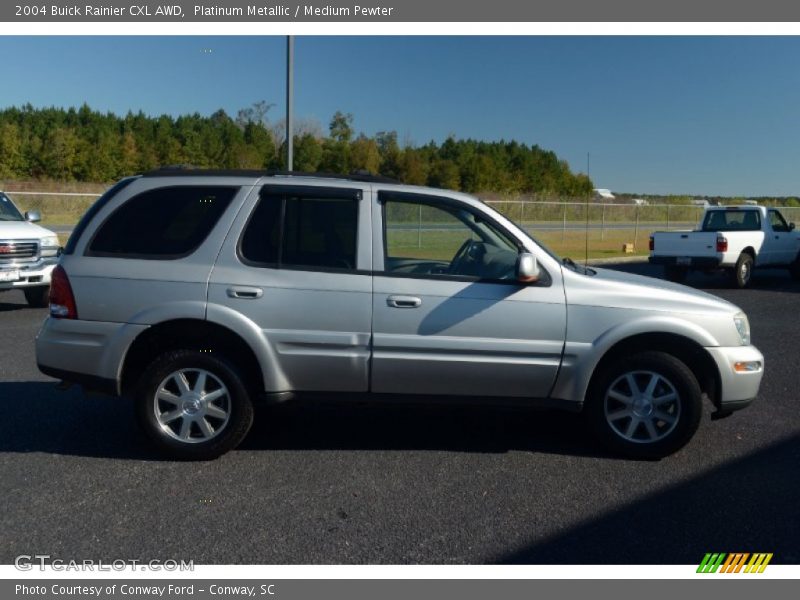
{"points": [[306, 231], [163, 223], [732, 220]]}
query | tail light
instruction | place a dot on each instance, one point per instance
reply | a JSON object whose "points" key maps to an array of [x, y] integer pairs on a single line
{"points": [[652, 243], [62, 301], [722, 244]]}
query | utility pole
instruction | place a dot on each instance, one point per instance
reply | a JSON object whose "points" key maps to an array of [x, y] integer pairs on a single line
{"points": [[289, 102]]}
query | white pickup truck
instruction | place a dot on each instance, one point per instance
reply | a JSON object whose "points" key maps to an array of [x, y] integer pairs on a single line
{"points": [[28, 253], [733, 238]]}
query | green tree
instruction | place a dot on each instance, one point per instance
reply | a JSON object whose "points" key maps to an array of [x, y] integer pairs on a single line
{"points": [[364, 155], [307, 153], [445, 174], [11, 153], [60, 154]]}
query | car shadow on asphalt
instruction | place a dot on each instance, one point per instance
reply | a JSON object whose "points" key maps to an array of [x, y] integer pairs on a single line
{"points": [[9, 306], [39, 418], [745, 505], [309, 424]]}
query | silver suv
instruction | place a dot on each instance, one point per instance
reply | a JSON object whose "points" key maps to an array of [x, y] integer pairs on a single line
{"points": [[195, 292]]}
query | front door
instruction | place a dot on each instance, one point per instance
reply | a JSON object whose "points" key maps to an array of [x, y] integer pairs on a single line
{"points": [[449, 316], [782, 240]]}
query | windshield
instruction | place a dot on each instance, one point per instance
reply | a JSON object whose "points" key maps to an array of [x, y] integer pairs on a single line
{"points": [[8, 212]]}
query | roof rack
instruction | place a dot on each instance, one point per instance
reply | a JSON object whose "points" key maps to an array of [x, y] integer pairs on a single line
{"points": [[189, 170]]}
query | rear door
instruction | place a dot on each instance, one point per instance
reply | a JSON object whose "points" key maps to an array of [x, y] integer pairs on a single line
{"points": [[297, 266], [449, 316]]}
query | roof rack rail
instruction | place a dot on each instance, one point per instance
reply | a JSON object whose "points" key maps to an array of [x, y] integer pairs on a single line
{"points": [[189, 170]]}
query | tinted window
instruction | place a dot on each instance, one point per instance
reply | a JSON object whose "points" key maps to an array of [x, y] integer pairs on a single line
{"points": [[162, 223], [92, 212], [302, 231]]}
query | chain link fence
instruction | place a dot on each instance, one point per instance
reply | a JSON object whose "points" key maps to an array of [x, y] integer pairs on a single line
{"points": [[569, 227]]}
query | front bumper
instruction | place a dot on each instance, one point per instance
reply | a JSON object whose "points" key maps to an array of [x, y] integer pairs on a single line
{"points": [[737, 388], [30, 275]]}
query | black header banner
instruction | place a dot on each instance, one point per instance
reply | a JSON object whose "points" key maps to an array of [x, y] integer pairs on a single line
{"points": [[370, 11]]}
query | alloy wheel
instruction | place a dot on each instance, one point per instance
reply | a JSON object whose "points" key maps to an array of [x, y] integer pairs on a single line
{"points": [[192, 405], [642, 406]]}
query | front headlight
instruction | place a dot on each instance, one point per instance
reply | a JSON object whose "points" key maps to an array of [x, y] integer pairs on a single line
{"points": [[743, 327], [50, 245]]}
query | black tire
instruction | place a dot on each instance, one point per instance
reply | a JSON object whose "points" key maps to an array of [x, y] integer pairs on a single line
{"points": [[38, 297], [675, 273], [794, 269], [226, 434], [673, 378], [742, 273]]}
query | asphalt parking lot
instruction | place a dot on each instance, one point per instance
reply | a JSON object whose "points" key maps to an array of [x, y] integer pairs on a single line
{"points": [[356, 484]]}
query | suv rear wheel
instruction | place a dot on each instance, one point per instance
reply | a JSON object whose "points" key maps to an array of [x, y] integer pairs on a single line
{"points": [[193, 405], [645, 406]]}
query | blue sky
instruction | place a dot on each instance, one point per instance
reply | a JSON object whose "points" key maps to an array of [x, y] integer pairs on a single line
{"points": [[695, 115]]}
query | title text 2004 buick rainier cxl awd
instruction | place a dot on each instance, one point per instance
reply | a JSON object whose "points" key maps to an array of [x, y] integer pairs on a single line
{"points": [[194, 292]]}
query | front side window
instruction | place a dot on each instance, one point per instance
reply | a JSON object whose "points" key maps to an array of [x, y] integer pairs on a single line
{"points": [[162, 223], [445, 240], [777, 221], [302, 230]]}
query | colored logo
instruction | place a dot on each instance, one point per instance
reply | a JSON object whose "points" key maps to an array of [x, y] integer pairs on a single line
{"points": [[736, 562]]}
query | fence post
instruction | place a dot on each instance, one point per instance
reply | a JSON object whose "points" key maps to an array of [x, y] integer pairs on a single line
{"points": [[522, 214], [603, 226], [419, 228], [564, 225], [636, 229], [668, 216]]}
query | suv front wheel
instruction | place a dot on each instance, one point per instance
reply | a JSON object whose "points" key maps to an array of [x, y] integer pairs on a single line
{"points": [[645, 405], [193, 405]]}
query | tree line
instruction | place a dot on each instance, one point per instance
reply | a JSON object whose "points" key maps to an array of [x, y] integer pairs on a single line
{"points": [[81, 144]]}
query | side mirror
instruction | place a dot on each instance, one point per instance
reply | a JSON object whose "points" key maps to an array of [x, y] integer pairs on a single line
{"points": [[527, 268], [791, 226], [34, 216]]}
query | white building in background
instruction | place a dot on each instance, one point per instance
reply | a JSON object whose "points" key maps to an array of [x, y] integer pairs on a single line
{"points": [[603, 194]]}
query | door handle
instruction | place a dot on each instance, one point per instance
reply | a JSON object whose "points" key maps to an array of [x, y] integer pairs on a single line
{"points": [[404, 301], [249, 293]]}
